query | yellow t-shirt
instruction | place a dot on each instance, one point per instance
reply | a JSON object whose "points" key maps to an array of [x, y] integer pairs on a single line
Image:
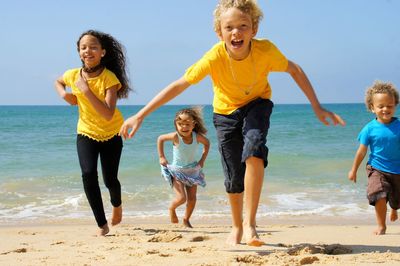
{"points": [[91, 123], [237, 83]]}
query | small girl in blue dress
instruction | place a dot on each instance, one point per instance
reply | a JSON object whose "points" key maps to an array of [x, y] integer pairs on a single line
{"points": [[185, 173]]}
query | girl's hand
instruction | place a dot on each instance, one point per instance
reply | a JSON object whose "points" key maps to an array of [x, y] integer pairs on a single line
{"points": [[133, 123], [352, 176], [70, 98], [82, 83], [163, 161]]}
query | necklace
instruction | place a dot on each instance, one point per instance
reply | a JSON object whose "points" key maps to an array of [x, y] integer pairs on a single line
{"points": [[92, 69], [250, 88]]}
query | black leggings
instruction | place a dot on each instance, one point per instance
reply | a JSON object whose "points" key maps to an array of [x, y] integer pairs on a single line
{"points": [[110, 154]]}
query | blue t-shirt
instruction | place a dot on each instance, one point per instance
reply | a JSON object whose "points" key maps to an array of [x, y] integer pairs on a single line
{"points": [[384, 144]]}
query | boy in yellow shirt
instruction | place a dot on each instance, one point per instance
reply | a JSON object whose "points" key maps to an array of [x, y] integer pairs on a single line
{"points": [[239, 65]]}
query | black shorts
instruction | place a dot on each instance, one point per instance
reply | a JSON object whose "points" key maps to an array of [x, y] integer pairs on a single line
{"points": [[241, 135]]}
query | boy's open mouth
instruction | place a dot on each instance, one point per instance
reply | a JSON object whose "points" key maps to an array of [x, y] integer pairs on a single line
{"points": [[237, 43]]}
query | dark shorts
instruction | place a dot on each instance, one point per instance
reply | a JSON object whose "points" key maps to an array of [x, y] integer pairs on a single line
{"points": [[241, 135], [383, 185]]}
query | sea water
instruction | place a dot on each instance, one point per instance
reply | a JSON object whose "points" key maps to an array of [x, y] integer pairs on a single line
{"points": [[40, 176]]}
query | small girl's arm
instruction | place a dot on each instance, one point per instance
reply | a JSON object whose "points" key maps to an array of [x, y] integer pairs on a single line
{"points": [[206, 147], [59, 84], [359, 157], [160, 146]]}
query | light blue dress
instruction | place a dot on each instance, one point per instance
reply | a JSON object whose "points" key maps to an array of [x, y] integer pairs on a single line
{"points": [[184, 167]]}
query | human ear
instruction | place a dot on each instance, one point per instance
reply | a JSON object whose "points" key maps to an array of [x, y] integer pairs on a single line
{"points": [[104, 53], [255, 30]]}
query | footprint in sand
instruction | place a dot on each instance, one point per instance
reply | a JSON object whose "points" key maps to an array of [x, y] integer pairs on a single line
{"points": [[165, 237], [306, 249], [199, 238], [250, 259]]}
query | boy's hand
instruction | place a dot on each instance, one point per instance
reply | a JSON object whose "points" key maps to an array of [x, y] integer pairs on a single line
{"points": [[323, 114], [131, 123], [352, 176]]}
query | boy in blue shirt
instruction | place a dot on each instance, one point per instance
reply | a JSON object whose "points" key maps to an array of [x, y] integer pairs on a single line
{"points": [[382, 135]]}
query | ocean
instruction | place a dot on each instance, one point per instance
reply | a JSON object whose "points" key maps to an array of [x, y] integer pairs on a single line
{"points": [[306, 177]]}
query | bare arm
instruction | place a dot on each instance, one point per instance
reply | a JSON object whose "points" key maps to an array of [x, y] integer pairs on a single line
{"points": [[206, 147], [302, 81], [160, 146], [167, 94], [107, 108], [59, 84], [359, 157]]}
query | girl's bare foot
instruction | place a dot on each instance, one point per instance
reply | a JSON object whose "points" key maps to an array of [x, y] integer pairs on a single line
{"points": [[393, 215], [251, 236], [186, 223], [116, 215], [380, 231], [173, 217], [235, 236], [103, 230]]}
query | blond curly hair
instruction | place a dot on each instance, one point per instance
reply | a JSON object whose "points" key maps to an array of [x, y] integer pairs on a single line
{"points": [[247, 6], [380, 87]]}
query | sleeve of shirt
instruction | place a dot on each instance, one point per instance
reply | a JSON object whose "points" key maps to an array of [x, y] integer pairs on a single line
{"points": [[68, 77], [363, 137], [198, 71], [112, 80], [278, 62]]}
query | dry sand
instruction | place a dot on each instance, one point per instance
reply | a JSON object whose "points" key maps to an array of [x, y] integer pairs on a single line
{"points": [[155, 242]]}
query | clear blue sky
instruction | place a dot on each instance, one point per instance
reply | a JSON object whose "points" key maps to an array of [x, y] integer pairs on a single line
{"points": [[343, 45]]}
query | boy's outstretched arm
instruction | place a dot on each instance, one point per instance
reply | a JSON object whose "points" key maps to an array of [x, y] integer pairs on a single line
{"points": [[167, 94], [302, 81], [360, 154]]}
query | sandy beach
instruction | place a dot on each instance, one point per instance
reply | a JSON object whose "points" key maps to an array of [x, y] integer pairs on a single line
{"points": [[156, 242]]}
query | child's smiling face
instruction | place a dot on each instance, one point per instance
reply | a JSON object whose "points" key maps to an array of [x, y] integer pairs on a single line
{"points": [[90, 51], [237, 31], [384, 107], [185, 125]]}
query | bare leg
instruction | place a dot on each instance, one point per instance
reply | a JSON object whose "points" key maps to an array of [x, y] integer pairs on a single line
{"points": [[393, 215], [180, 198], [190, 204], [103, 230], [116, 215], [253, 182], [236, 202], [380, 211]]}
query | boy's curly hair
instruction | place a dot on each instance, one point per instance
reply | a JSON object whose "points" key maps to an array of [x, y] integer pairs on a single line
{"points": [[380, 87], [196, 113], [247, 6]]}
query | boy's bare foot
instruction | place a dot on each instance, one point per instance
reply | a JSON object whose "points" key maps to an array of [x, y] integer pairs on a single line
{"points": [[173, 217], [235, 236], [380, 231], [103, 230], [252, 238], [393, 215], [186, 223], [116, 215]]}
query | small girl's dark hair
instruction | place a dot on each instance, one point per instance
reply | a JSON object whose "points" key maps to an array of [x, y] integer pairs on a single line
{"points": [[114, 59], [196, 113]]}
